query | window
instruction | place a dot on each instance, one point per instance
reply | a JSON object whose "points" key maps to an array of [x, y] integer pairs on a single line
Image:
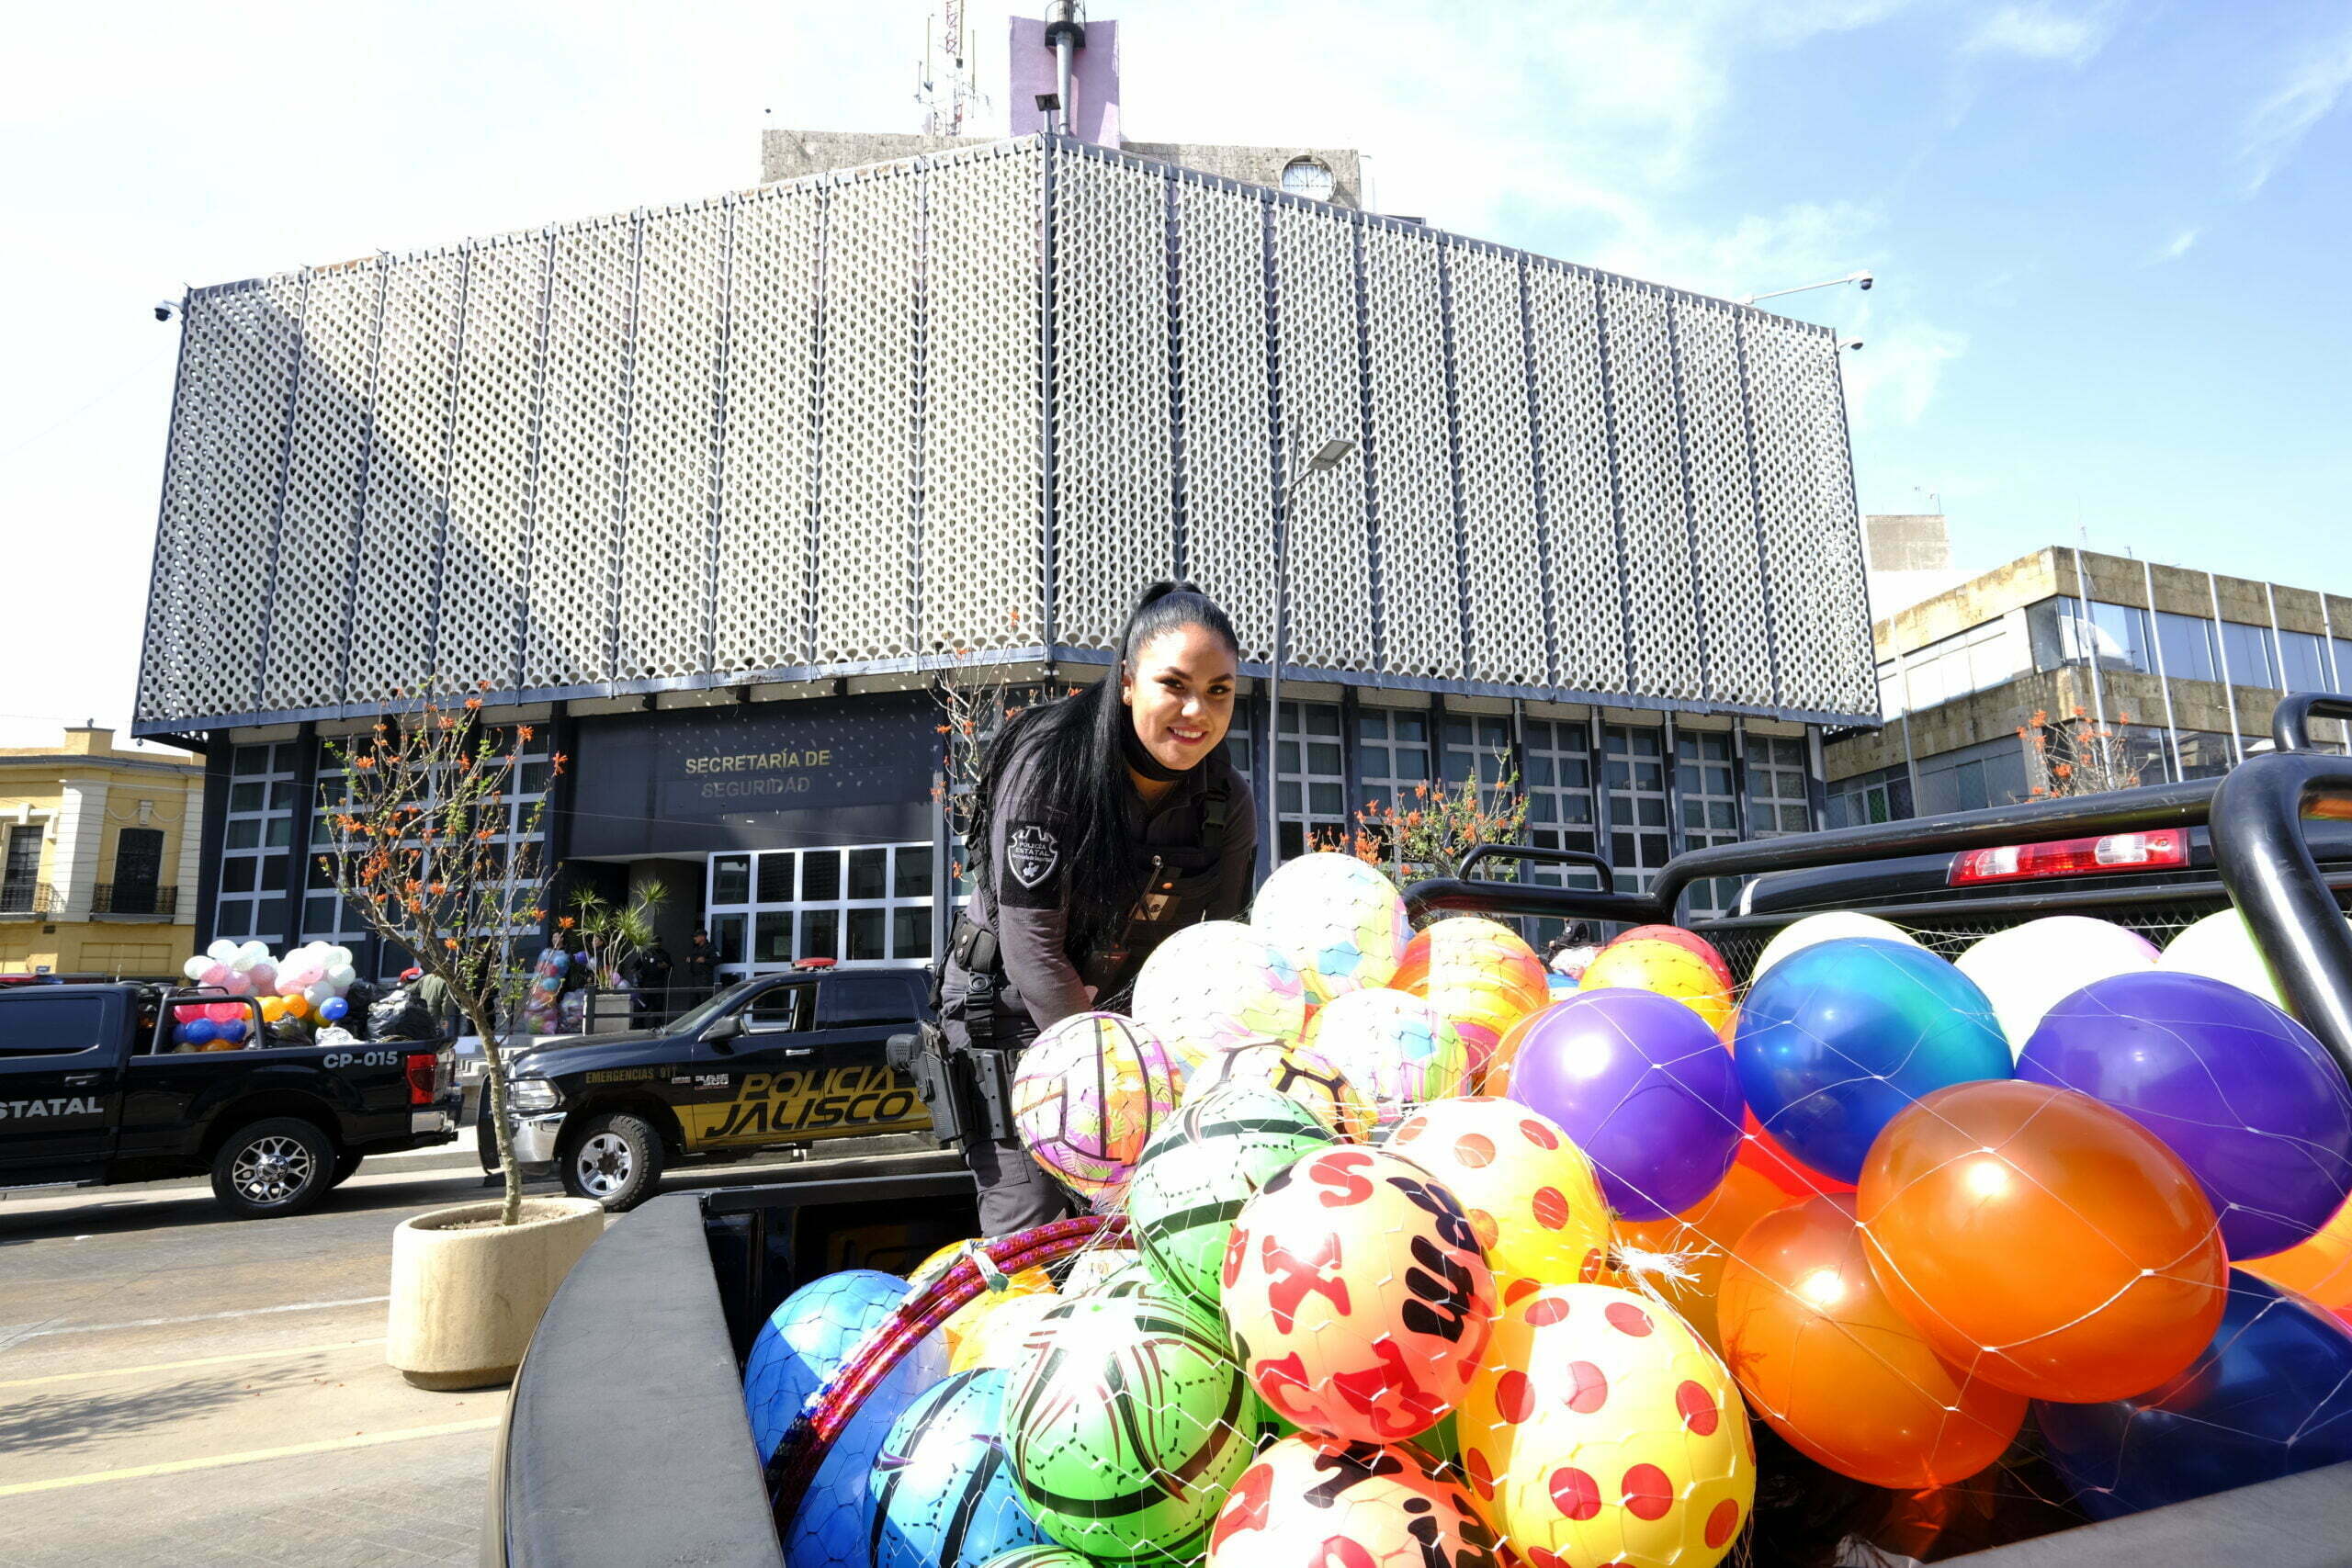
{"points": [[20, 881], [779, 1011], [137, 868], [1884, 796], [2305, 658], [1476, 746], [2188, 646], [1634, 768], [1779, 796], [257, 837], [1710, 806], [50, 1026], [1310, 780], [1392, 754], [1559, 796], [868, 903], [2246, 650], [1239, 737], [845, 1001]]}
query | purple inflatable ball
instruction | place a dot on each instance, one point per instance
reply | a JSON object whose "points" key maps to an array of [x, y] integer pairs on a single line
{"points": [[2248, 1098], [1645, 1089]]}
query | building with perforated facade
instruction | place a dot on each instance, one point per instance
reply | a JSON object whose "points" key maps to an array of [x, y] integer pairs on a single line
{"points": [[717, 494]]}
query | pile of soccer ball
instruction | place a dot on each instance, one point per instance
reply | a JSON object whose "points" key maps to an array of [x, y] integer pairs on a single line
{"points": [[1431, 1267]]}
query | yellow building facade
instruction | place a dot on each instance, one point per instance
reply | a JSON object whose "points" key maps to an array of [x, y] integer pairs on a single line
{"points": [[98, 855]]}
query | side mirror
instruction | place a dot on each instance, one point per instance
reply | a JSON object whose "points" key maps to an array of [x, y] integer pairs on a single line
{"points": [[731, 1027]]}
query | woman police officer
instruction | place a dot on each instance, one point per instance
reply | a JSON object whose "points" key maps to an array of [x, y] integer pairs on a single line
{"points": [[1103, 822]]}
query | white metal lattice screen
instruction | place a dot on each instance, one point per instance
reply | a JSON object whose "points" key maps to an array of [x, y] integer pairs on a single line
{"points": [[964, 406]]}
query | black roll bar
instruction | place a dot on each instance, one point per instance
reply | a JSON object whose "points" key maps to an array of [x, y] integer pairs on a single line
{"points": [[2276, 883], [2290, 721], [1542, 855]]}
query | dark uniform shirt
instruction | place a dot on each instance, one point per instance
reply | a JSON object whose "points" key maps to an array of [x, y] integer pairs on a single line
{"points": [[1027, 905]]}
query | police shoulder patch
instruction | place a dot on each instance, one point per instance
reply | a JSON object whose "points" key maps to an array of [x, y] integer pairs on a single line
{"points": [[1032, 859]]}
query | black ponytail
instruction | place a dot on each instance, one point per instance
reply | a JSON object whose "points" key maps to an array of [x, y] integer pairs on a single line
{"points": [[1076, 750]]}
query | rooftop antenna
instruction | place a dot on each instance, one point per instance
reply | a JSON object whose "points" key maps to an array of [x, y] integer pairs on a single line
{"points": [[947, 90]]}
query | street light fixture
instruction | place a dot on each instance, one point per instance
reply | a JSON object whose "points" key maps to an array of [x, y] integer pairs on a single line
{"points": [[1326, 457], [1861, 280]]}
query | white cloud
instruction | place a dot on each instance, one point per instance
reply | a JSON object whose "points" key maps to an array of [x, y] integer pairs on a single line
{"points": [[1893, 378], [2175, 247], [2310, 91], [2038, 32]]}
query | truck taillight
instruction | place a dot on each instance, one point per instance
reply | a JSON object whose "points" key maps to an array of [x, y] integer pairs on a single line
{"points": [[424, 1076], [2071, 857]]}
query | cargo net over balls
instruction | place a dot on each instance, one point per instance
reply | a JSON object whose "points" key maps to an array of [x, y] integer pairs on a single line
{"points": [[1403, 1255]]}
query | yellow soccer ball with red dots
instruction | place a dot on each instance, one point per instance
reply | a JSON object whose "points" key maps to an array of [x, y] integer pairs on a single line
{"points": [[1600, 1429], [1531, 1194]]}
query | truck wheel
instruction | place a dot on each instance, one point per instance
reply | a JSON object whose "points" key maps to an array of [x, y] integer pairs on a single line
{"points": [[614, 1158], [280, 1166], [345, 1164]]}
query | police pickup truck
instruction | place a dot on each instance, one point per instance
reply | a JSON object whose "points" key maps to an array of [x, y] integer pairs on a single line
{"points": [[769, 1063], [91, 1094]]}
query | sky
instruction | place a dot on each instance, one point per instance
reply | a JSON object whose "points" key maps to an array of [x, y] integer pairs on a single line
{"points": [[2109, 236]]}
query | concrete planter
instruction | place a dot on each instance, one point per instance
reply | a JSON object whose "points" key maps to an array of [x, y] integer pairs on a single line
{"points": [[466, 1301]]}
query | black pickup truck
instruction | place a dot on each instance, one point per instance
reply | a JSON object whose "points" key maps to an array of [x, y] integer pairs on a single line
{"points": [[625, 1440], [774, 1062], [92, 1095]]}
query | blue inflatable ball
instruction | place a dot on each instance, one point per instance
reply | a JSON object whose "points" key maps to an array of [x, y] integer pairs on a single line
{"points": [[805, 1341], [942, 1489], [2270, 1396], [203, 1031], [1836, 1039], [233, 1029], [333, 1008], [2245, 1095]]}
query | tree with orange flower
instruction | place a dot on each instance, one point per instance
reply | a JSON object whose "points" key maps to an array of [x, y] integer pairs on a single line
{"points": [[1427, 832], [427, 845], [2076, 755]]}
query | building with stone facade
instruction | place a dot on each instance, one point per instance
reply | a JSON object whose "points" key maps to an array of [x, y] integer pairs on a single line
{"points": [[100, 849], [2182, 666]]}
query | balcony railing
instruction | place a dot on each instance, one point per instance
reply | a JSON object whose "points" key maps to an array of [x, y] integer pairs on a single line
{"points": [[27, 899], [134, 899]]}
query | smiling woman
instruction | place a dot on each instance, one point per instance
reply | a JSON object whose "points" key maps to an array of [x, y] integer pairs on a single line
{"points": [[1104, 822]]}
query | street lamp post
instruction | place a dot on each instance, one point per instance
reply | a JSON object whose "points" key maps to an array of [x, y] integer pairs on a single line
{"points": [[1326, 457]]}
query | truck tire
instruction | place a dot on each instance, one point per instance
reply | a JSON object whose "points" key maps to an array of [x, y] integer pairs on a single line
{"points": [[614, 1158], [346, 1164], [281, 1164]]}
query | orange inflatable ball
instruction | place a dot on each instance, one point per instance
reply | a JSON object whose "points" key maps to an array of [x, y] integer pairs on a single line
{"points": [[1497, 1076], [1691, 941], [2319, 1268], [1823, 1355], [2042, 1241], [1529, 1195], [1477, 973], [296, 1006], [1670, 969], [1702, 1238]]}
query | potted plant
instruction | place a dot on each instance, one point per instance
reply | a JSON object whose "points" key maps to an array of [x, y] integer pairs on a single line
{"points": [[433, 851], [613, 938]]}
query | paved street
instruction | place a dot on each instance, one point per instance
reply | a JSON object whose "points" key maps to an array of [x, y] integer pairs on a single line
{"points": [[179, 1388]]}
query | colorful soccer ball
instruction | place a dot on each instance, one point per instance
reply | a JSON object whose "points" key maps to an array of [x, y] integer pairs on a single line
{"points": [[1198, 1172], [1530, 1192], [1478, 976], [1305, 1077], [1601, 1429], [1127, 1427], [1215, 984], [942, 1492], [1041, 1557], [1089, 1095], [1342, 922], [1320, 1500], [1392, 1045], [1357, 1296]]}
